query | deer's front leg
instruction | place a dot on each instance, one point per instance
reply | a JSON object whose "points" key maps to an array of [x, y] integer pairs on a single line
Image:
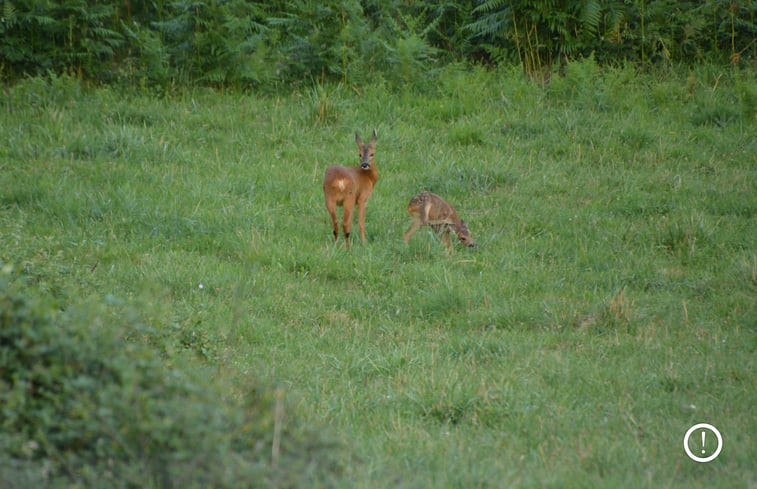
{"points": [[361, 218], [446, 239], [414, 226]]}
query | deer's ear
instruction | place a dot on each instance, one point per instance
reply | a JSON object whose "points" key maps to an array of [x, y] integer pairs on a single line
{"points": [[373, 137], [357, 139], [463, 224]]}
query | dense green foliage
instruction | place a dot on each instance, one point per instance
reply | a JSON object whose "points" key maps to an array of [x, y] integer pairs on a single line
{"points": [[608, 306], [637, 31], [83, 403], [251, 43]]}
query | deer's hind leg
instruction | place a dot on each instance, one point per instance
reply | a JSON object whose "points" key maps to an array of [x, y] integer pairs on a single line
{"points": [[347, 222], [415, 225], [331, 207]]}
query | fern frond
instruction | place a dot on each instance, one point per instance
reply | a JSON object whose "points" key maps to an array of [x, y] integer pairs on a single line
{"points": [[491, 6], [490, 24], [590, 16], [9, 13]]}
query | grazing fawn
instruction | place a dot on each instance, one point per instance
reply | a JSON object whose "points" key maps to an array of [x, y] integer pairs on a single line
{"points": [[431, 210], [349, 185]]}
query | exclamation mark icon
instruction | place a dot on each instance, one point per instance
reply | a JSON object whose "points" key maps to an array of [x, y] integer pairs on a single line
{"points": [[704, 453]]}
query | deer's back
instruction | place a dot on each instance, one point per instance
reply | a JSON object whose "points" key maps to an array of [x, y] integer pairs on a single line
{"points": [[436, 208], [338, 173], [343, 181]]}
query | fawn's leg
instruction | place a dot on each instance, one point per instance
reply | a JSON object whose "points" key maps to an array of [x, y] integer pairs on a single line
{"points": [[414, 226], [446, 239], [423, 215]]}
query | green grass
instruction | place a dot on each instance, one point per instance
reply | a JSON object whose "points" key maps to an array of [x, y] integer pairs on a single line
{"points": [[609, 305]]}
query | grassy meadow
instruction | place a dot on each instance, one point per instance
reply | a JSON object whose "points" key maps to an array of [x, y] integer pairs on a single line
{"points": [[609, 305]]}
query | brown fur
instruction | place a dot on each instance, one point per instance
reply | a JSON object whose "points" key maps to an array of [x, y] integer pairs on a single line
{"points": [[346, 186], [431, 210]]}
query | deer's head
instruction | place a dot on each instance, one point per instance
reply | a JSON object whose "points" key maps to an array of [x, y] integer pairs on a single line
{"points": [[366, 151], [464, 235]]}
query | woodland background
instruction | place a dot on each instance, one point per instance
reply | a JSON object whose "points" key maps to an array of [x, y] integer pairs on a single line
{"points": [[241, 43]]}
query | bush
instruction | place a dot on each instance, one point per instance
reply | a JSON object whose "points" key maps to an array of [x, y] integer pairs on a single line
{"points": [[241, 43], [81, 406]]}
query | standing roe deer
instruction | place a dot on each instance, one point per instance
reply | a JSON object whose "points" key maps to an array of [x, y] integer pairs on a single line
{"points": [[429, 209], [349, 185]]}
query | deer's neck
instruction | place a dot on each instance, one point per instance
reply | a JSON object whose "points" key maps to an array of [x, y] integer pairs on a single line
{"points": [[371, 175], [457, 223]]}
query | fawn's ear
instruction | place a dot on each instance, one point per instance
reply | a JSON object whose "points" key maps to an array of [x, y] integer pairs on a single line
{"points": [[357, 139], [373, 137]]}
